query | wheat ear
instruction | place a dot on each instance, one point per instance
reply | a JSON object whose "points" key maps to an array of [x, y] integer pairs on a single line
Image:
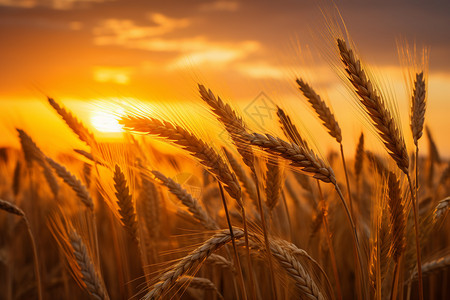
{"points": [[418, 107], [87, 271], [233, 124], [297, 155], [397, 226], [330, 123], [33, 153], [191, 262], [194, 145], [15, 210], [77, 126], [359, 157], [126, 205], [273, 182], [246, 182], [375, 107], [441, 209], [190, 202], [73, 182], [322, 110]]}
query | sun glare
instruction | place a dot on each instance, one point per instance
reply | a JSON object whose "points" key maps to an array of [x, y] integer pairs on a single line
{"points": [[104, 121]]}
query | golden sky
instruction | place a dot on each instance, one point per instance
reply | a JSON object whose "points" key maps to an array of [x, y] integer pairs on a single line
{"points": [[82, 51]]}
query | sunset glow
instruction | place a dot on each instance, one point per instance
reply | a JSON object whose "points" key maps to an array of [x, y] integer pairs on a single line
{"points": [[224, 149], [105, 122]]}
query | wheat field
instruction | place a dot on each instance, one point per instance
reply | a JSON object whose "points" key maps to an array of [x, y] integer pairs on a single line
{"points": [[261, 216]]}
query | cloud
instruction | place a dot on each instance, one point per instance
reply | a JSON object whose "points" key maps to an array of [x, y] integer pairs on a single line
{"points": [[261, 70], [55, 4], [120, 32], [195, 50], [111, 74], [220, 6]]}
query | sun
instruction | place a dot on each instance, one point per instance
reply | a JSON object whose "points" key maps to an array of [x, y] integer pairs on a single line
{"points": [[105, 121]]}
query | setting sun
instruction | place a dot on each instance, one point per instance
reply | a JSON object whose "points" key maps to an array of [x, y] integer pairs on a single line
{"points": [[106, 121]]}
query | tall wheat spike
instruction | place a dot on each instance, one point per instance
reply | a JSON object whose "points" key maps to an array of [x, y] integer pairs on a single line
{"points": [[126, 205], [77, 126], [322, 109], [233, 123], [418, 107], [273, 182], [375, 107], [73, 182], [33, 153]]}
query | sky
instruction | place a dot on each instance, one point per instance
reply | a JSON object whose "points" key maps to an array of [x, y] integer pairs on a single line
{"points": [[85, 51]]}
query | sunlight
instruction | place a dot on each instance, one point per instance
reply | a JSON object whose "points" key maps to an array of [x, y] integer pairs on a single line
{"points": [[104, 121]]}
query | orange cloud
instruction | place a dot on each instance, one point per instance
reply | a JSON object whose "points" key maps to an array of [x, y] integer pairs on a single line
{"points": [[220, 6], [110, 74]]}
